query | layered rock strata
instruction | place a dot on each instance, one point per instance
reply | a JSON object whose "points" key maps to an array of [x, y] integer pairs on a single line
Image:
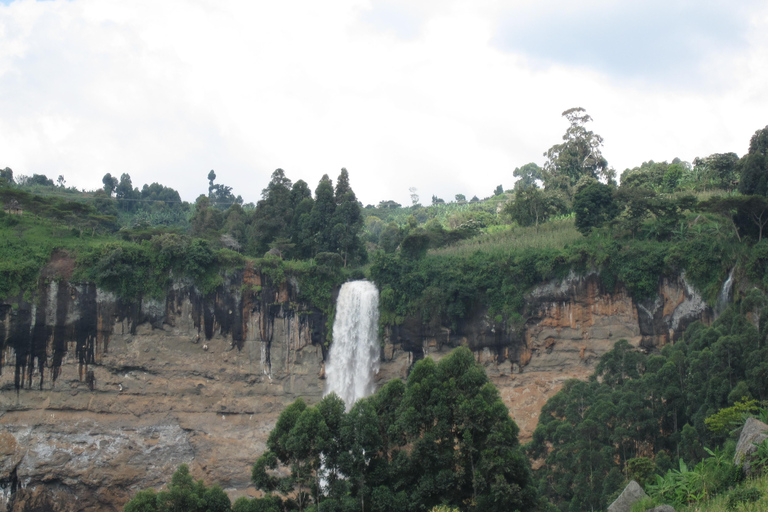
{"points": [[100, 397]]}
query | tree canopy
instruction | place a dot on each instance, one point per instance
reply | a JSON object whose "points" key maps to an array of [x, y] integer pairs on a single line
{"points": [[577, 156], [646, 405], [443, 437]]}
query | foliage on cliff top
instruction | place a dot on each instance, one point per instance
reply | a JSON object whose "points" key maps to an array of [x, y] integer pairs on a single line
{"points": [[143, 261], [496, 271], [26, 245]]}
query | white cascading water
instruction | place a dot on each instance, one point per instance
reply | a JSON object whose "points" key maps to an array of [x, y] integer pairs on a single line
{"points": [[725, 296], [354, 356]]}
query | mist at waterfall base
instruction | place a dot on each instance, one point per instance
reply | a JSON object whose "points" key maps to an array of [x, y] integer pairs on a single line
{"points": [[354, 356]]}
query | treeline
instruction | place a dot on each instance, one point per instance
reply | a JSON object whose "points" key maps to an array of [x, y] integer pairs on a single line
{"points": [[133, 242], [576, 178], [289, 221], [662, 220]]}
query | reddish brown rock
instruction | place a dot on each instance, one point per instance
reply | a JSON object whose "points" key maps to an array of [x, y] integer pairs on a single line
{"points": [[100, 398]]}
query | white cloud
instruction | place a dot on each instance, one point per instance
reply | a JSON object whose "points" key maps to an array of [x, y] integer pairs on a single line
{"points": [[400, 95]]}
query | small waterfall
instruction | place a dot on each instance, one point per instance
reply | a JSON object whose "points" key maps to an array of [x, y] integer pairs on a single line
{"points": [[354, 356], [725, 296]]}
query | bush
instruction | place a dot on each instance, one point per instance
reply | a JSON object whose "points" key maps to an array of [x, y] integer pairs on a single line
{"points": [[743, 495], [183, 494]]}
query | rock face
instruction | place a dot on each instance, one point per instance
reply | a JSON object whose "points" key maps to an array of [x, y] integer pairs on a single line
{"points": [[100, 397], [631, 493], [568, 325], [753, 433]]}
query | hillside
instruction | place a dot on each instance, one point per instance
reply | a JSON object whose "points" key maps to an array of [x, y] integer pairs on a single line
{"points": [[133, 320]]}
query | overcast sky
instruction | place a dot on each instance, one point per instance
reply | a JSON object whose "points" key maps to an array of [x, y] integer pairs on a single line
{"points": [[445, 96]]}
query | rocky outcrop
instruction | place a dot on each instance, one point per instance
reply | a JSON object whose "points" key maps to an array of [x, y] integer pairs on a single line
{"points": [[631, 494], [753, 433], [101, 397]]}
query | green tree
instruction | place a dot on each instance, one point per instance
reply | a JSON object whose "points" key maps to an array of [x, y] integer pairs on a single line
{"points": [[672, 177], [6, 177], [40, 180], [577, 156], [321, 217], [636, 405], [361, 437], [498, 190], [266, 504], [528, 176], [533, 206], [742, 211], [594, 205], [753, 167], [127, 196], [297, 441], [347, 221], [300, 235], [415, 244], [143, 501], [649, 176], [110, 183], [274, 213], [718, 170], [444, 437], [182, 495], [221, 196], [206, 221], [390, 238]]}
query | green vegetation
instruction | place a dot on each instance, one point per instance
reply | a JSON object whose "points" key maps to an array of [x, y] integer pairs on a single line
{"points": [[135, 243], [183, 494], [640, 414], [660, 407], [442, 438], [749, 496]]}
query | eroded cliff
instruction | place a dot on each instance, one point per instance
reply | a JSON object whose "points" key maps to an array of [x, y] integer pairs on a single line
{"points": [[100, 397]]}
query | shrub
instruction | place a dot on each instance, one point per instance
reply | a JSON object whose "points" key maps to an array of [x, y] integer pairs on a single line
{"points": [[743, 495]]}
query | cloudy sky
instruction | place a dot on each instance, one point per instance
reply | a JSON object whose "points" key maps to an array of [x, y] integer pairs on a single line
{"points": [[442, 95]]}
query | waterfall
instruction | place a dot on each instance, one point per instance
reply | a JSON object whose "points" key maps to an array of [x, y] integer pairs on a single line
{"points": [[724, 297], [354, 356]]}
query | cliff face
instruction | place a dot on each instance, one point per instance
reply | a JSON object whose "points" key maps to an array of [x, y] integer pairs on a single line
{"points": [[100, 398], [567, 326]]}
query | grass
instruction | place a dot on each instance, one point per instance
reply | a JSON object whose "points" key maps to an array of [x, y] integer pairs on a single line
{"points": [[26, 245], [442, 212], [504, 241], [720, 502]]}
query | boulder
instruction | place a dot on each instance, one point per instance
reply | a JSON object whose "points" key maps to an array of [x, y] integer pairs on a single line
{"points": [[631, 493], [753, 433], [662, 508]]}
